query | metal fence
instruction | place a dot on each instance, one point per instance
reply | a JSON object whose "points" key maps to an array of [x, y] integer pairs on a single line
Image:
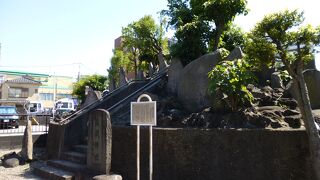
{"points": [[39, 122]]}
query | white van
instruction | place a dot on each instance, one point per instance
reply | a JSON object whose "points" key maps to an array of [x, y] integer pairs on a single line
{"points": [[36, 107], [65, 105]]}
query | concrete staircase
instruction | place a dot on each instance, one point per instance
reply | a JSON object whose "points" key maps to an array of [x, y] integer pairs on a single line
{"points": [[71, 165]]}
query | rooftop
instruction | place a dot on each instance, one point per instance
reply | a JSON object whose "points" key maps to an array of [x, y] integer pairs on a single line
{"points": [[23, 80], [21, 73]]}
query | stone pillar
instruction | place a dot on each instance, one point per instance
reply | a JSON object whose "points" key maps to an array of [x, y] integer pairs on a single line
{"points": [[27, 144], [276, 81], [87, 89], [162, 63], [141, 75], [91, 97], [99, 141], [236, 53], [123, 78], [151, 70], [174, 72], [112, 85]]}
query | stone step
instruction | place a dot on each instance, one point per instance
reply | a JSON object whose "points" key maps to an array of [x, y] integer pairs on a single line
{"points": [[80, 148], [67, 165], [76, 157], [48, 172]]}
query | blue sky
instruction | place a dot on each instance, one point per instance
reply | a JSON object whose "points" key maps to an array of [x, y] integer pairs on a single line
{"points": [[54, 36]]}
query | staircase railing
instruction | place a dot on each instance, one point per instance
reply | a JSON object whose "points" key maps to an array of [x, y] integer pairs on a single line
{"points": [[155, 81], [68, 131], [97, 102]]}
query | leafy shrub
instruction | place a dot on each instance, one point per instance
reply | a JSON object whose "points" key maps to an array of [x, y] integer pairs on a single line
{"points": [[231, 78], [285, 77]]}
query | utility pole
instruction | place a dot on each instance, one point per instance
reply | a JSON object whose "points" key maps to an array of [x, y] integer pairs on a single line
{"points": [[54, 86], [78, 79]]}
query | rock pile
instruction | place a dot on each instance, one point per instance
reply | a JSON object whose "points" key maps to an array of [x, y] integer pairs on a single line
{"points": [[270, 109]]}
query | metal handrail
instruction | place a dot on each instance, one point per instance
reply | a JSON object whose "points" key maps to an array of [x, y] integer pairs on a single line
{"points": [[113, 93], [155, 80], [158, 76]]}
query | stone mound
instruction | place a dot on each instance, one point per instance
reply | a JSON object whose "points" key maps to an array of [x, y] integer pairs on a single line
{"points": [[269, 110]]}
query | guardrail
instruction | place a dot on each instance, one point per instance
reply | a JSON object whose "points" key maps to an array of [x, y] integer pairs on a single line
{"points": [[39, 122]]}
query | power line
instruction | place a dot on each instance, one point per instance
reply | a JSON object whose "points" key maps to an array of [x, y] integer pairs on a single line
{"points": [[42, 66]]}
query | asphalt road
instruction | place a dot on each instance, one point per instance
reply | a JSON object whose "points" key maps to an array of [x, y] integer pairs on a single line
{"points": [[20, 130]]}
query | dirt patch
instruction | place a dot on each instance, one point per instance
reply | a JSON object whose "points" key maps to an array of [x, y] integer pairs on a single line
{"points": [[21, 171]]}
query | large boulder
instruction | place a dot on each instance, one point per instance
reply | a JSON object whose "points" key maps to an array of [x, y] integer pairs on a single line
{"points": [[12, 160], [10, 163], [276, 81], [193, 83], [91, 97], [174, 72], [312, 79], [236, 53]]}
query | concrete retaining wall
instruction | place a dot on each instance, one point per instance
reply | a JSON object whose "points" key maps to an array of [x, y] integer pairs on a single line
{"points": [[213, 154], [15, 141]]}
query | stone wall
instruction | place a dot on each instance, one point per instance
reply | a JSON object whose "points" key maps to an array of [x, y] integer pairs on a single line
{"points": [[213, 154]]}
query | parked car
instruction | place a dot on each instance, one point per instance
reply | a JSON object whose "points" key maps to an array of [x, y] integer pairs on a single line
{"points": [[9, 117]]}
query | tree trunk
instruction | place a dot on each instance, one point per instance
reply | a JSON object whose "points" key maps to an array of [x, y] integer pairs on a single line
{"points": [[217, 37], [307, 116]]}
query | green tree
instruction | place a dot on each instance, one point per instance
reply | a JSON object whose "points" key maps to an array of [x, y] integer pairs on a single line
{"points": [[219, 12], [232, 37], [200, 24], [96, 82], [119, 59], [293, 44], [143, 43], [145, 39], [259, 52], [191, 36]]}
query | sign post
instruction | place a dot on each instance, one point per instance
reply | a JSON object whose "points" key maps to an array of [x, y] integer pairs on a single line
{"points": [[143, 113]]}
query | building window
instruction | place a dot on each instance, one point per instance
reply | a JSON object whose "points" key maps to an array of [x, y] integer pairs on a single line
{"points": [[36, 91], [60, 96], [46, 96], [1, 79], [18, 92]]}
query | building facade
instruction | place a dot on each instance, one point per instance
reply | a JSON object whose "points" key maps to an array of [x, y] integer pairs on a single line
{"points": [[17, 87]]}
